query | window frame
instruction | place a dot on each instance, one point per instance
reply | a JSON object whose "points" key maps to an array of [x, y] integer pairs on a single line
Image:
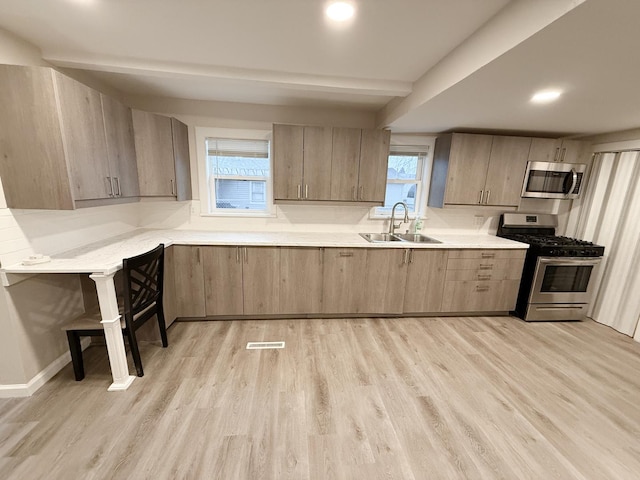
{"points": [[207, 190], [424, 144]]}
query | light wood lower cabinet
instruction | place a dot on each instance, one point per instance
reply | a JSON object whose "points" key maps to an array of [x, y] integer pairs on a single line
{"points": [[223, 281], [189, 280], [425, 281], [228, 281], [343, 280], [482, 280], [241, 280], [360, 280], [301, 272]]}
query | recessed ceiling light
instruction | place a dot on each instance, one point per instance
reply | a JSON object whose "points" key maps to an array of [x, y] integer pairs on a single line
{"points": [[546, 96], [340, 11]]}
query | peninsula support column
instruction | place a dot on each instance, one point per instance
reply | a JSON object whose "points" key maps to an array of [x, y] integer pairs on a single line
{"points": [[113, 331]]}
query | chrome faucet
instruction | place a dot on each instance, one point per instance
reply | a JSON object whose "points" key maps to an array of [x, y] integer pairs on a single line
{"points": [[392, 224]]}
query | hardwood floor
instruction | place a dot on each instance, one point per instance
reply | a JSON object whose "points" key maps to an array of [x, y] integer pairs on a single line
{"points": [[417, 398]]}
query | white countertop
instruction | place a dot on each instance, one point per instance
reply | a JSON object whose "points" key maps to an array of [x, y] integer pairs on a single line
{"points": [[106, 256]]}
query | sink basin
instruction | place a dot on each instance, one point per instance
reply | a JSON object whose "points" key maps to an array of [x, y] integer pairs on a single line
{"points": [[398, 237], [416, 238], [380, 237]]}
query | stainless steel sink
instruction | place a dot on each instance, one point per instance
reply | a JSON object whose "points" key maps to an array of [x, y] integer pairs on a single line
{"points": [[398, 237], [416, 238], [380, 237]]}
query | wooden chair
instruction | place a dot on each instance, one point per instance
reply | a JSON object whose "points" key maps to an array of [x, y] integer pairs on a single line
{"points": [[143, 277]]}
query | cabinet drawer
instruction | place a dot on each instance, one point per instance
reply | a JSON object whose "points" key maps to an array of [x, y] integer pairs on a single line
{"points": [[474, 296], [489, 269], [486, 254]]}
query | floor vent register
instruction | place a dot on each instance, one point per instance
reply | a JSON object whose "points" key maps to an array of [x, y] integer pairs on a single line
{"points": [[264, 345]]}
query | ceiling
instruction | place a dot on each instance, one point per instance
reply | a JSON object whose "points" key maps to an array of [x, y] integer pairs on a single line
{"points": [[419, 65]]}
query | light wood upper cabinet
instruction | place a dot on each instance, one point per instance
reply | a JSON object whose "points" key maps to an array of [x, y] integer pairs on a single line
{"points": [[288, 146], [556, 150], [507, 165], [63, 145], [330, 164], [374, 160], [84, 139], [163, 160], [425, 280], [345, 163], [472, 169], [121, 150]]}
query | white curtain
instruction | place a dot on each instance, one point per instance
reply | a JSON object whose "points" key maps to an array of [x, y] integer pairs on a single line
{"points": [[611, 217]]}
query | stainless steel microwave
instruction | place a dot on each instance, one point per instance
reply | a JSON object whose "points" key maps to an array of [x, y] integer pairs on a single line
{"points": [[553, 180]]}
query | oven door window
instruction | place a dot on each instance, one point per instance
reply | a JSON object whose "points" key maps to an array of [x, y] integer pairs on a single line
{"points": [[542, 181], [566, 279]]}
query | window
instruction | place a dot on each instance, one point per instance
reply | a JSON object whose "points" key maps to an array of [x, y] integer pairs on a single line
{"points": [[406, 172], [238, 173]]}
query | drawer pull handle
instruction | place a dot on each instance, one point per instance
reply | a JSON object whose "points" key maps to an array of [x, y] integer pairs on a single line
{"points": [[488, 255], [482, 288], [484, 277], [346, 254], [486, 267]]}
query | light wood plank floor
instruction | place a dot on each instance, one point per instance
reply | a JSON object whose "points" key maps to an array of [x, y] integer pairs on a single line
{"points": [[429, 398]]}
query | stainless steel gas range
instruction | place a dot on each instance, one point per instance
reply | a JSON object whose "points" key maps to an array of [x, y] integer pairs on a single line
{"points": [[558, 278]]}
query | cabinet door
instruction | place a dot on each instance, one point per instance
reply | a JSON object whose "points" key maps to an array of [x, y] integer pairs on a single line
{"points": [[507, 165], [385, 278], [544, 150], [32, 162], [84, 139], [288, 145], [154, 151], [472, 296], [374, 161], [223, 280], [180, 135], [317, 163], [261, 280], [343, 280], [121, 149], [189, 281], [345, 162], [468, 164], [425, 281], [300, 280], [571, 151]]}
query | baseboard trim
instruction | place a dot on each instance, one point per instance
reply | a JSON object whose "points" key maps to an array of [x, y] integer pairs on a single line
{"points": [[18, 390]]}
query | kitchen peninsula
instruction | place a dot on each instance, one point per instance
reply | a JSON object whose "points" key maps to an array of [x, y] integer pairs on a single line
{"points": [[355, 277]]}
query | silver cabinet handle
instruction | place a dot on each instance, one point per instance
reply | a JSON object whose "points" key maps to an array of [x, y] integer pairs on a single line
{"points": [[484, 277], [246, 255], [556, 157], [485, 267], [119, 192], [486, 200], [482, 288], [361, 192], [481, 195], [564, 153], [110, 183], [487, 255], [198, 255], [306, 192], [172, 188], [410, 256], [346, 254], [237, 254], [353, 193], [299, 191], [405, 257]]}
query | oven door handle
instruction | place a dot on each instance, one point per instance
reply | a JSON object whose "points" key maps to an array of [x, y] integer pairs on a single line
{"points": [[569, 260], [574, 181]]}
